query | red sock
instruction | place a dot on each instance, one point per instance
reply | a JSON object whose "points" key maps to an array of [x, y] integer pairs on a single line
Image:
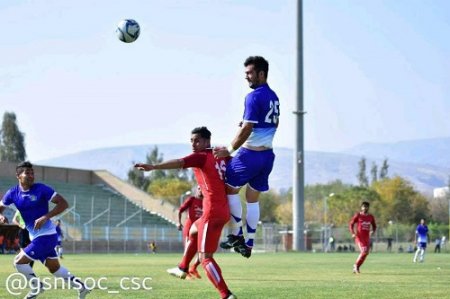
{"points": [[189, 253], [215, 276]]}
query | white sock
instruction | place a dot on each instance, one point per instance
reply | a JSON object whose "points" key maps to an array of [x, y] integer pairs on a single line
{"points": [[252, 219], [73, 281], [234, 202], [28, 272]]}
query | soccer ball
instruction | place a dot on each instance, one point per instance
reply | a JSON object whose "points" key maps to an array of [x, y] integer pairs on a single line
{"points": [[128, 30]]}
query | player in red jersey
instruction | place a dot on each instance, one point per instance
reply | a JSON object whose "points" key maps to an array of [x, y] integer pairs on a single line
{"points": [[194, 207], [364, 222], [205, 232]]}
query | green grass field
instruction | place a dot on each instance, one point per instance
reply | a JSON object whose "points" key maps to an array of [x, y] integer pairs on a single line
{"points": [[280, 275]]}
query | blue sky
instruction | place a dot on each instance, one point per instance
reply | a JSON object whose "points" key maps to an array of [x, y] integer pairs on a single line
{"points": [[375, 71]]}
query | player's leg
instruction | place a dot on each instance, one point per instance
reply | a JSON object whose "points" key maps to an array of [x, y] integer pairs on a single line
{"points": [[417, 253], [236, 177], [209, 236], [191, 248], [55, 268], [363, 253], [260, 169], [423, 247], [22, 265]]}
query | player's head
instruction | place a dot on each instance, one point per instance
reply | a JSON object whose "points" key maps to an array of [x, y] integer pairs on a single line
{"points": [[365, 205], [200, 139], [256, 70], [25, 173], [422, 221], [198, 192]]}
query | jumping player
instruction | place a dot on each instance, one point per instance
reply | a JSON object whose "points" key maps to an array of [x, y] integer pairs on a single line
{"points": [[364, 222], [31, 199], [194, 207], [205, 232], [253, 162]]}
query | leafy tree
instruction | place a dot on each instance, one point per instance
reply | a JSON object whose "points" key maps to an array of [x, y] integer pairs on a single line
{"points": [[400, 202], [374, 172], [12, 140], [142, 181], [169, 188], [362, 176], [342, 206], [384, 169]]}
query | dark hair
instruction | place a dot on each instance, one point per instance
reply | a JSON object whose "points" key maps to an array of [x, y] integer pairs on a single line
{"points": [[259, 63], [202, 131], [365, 203], [22, 166]]}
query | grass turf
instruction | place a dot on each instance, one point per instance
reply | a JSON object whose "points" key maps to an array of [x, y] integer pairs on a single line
{"points": [[278, 275]]}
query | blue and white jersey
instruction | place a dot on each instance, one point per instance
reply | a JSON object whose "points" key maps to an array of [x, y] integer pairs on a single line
{"points": [[32, 204], [262, 109], [422, 233]]}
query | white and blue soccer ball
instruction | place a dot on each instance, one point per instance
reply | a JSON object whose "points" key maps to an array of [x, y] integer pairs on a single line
{"points": [[128, 30]]}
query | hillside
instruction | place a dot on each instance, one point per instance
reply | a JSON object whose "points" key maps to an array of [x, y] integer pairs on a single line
{"points": [[320, 167], [424, 151]]}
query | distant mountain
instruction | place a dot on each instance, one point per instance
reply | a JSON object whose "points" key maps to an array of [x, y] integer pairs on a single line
{"points": [[320, 167], [425, 151]]}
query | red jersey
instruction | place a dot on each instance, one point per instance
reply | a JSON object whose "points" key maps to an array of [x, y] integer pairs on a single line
{"points": [[364, 221], [194, 206], [210, 174]]}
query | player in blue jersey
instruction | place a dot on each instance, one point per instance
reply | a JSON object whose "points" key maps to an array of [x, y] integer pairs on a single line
{"points": [[422, 238], [253, 161], [31, 199]]}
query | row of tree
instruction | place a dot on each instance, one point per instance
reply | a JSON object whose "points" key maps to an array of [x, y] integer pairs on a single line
{"points": [[392, 199]]}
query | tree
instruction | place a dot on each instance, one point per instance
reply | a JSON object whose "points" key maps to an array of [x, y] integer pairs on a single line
{"points": [[169, 188], [12, 140], [400, 202], [362, 176], [374, 172], [384, 169]]}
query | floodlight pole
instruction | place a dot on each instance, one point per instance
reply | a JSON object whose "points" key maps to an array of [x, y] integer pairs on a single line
{"points": [[298, 202]]}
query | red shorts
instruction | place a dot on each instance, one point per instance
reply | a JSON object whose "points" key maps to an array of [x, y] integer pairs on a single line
{"points": [[363, 244], [209, 232]]}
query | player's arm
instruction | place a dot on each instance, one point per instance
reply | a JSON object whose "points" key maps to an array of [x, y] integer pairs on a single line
{"points": [[374, 225], [60, 205], [170, 164], [242, 135], [351, 225]]}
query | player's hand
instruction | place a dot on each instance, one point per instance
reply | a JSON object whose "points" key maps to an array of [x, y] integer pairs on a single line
{"points": [[3, 219], [180, 226], [38, 223], [144, 167], [353, 236], [220, 152]]}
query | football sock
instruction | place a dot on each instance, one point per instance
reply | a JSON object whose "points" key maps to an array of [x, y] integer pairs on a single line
{"points": [[74, 282], [214, 274], [189, 253], [26, 270], [234, 202], [252, 221]]}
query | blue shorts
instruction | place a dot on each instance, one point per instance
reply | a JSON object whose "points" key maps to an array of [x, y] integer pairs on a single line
{"points": [[250, 167], [422, 245], [42, 248]]}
